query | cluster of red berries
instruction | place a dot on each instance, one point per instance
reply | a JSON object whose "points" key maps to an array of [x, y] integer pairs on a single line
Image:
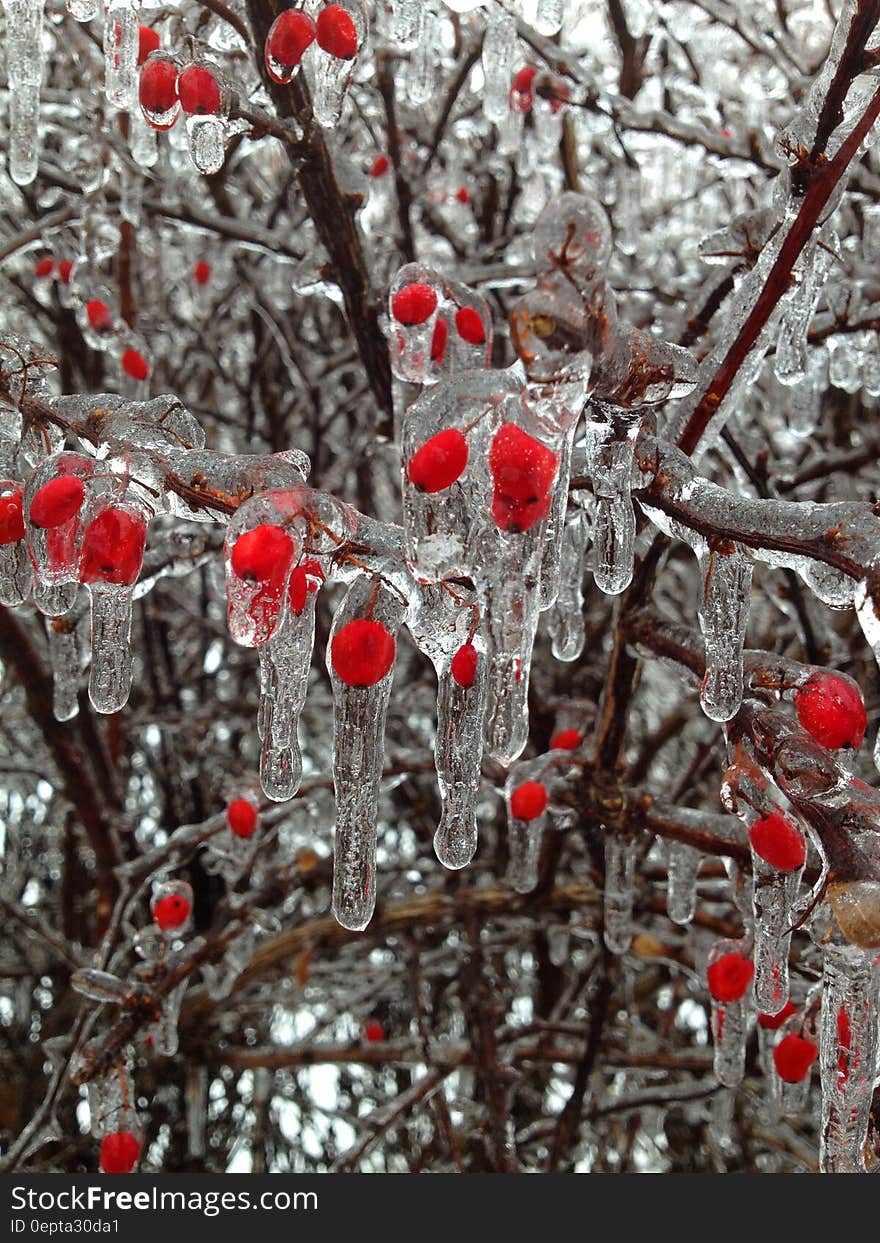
{"points": [[294, 31], [113, 543], [164, 89], [47, 267], [414, 304], [100, 320]]}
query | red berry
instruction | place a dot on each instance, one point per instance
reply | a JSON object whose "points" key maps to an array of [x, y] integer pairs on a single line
{"points": [[464, 665], [259, 554], [119, 1152], [439, 462], [831, 711], [199, 91], [374, 1032], [380, 167], [521, 98], [729, 976], [362, 652], [793, 1057], [462, 194], [202, 272], [241, 817], [566, 740], [157, 88], [522, 468], [57, 501], [135, 365], [148, 41], [306, 577], [44, 268], [518, 516], [772, 1022], [778, 842], [65, 268], [336, 32], [528, 800], [413, 304], [172, 911], [291, 33], [113, 548], [11, 518], [439, 337], [98, 315], [469, 326]]}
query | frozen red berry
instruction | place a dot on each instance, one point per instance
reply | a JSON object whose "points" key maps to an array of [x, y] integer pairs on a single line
{"points": [[98, 314], [65, 271], [439, 462], [566, 740], [119, 1152], [336, 32], [261, 553], [135, 365], [44, 268], [202, 272], [462, 195], [470, 326], [57, 501], [464, 665], [414, 304], [292, 32], [778, 842], [113, 547], [832, 711], [198, 91], [518, 516], [521, 98], [241, 816], [157, 86], [729, 976], [528, 801], [304, 578], [148, 41], [11, 518], [522, 468], [362, 652], [380, 166], [772, 1022], [439, 339], [374, 1032], [793, 1057], [171, 912]]}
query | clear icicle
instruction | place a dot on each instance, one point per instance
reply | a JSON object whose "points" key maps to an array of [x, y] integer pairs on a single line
{"points": [[618, 892], [24, 62], [524, 839], [566, 624], [458, 753], [730, 1023], [499, 55], [142, 140], [421, 69], [120, 53], [791, 358], [551, 563], [110, 674], [83, 10], [64, 659], [196, 1109], [548, 17], [207, 142], [847, 1055], [682, 870], [774, 898], [284, 663], [16, 573], [405, 23], [724, 616], [358, 745], [511, 608], [610, 457]]}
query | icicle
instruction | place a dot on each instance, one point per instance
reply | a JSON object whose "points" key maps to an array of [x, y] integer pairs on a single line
{"points": [[844, 364], [332, 73], [196, 1109], [682, 869], [610, 457], [120, 53], [358, 738], [618, 892], [790, 360], [774, 899], [551, 562], [848, 1055], [285, 662], [526, 794], [405, 23], [566, 623], [548, 17], [805, 408], [16, 573], [499, 56], [24, 63], [207, 142], [730, 1020], [724, 616], [83, 10], [421, 70], [64, 659], [110, 674]]}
